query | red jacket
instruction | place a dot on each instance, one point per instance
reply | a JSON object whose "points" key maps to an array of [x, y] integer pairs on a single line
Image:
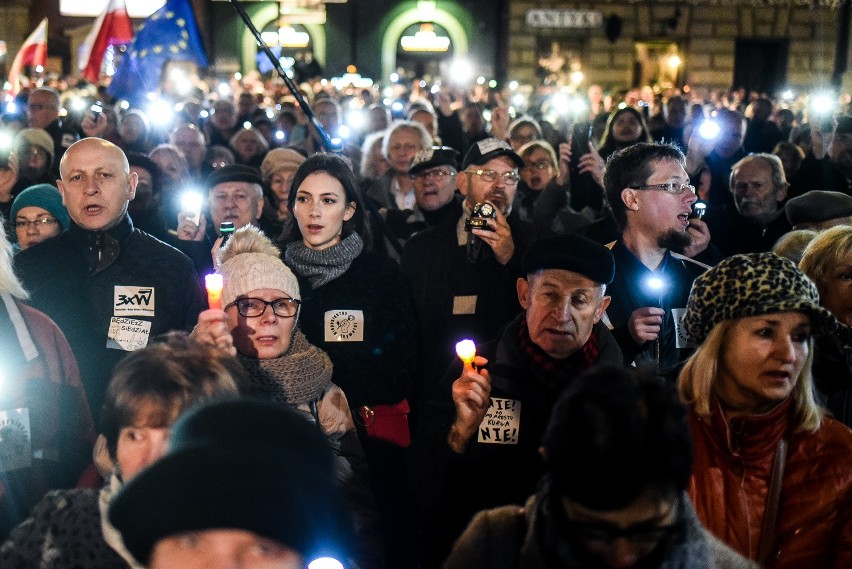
{"points": [[730, 482]]}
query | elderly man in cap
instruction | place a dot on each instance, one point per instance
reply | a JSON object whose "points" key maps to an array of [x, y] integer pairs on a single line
{"points": [[477, 253], [109, 286], [481, 429], [434, 174], [818, 210], [235, 195], [245, 483]]}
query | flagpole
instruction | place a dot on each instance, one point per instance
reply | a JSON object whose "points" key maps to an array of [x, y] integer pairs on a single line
{"points": [[326, 141]]}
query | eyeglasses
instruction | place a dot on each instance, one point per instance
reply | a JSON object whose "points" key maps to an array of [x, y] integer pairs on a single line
{"points": [[543, 165], [37, 223], [669, 187], [640, 534], [436, 174], [255, 307], [510, 178]]}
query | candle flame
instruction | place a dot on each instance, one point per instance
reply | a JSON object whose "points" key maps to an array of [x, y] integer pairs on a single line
{"points": [[466, 350]]}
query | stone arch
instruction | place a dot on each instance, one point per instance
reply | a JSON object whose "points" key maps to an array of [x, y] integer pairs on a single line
{"points": [[399, 23], [268, 13]]}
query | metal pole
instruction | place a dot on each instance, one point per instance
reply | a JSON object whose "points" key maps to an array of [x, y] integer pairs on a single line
{"points": [[300, 100]]}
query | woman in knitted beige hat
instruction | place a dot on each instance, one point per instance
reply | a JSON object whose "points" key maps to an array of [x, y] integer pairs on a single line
{"points": [[259, 323], [771, 476], [277, 170]]}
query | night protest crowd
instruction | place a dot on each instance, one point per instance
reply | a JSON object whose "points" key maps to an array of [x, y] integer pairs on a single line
{"points": [[658, 287]]}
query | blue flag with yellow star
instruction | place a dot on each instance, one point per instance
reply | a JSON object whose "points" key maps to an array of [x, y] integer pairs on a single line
{"points": [[169, 34]]}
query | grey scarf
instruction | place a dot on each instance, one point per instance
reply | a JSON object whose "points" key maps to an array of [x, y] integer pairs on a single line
{"points": [[301, 375], [321, 267]]}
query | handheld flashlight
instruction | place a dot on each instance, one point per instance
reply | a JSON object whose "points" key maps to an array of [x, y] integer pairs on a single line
{"points": [[709, 130], [698, 210], [226, 229]]}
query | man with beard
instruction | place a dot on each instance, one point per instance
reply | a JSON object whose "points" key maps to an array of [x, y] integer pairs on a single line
{"points": [[759, 189], [463, 281], [834, 171], [650, 197]]}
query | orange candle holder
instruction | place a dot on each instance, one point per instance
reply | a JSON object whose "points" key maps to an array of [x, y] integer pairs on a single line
{"points": [[213, 283]]}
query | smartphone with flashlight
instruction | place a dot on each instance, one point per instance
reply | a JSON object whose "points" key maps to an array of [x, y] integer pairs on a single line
{"points": [[190, 204], [699, 208], [226, 229], [95, 111]]}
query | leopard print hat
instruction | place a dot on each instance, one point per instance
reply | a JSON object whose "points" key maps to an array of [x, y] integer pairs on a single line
{"points": [[751, 285]]}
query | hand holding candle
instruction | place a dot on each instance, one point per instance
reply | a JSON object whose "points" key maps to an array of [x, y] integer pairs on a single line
{"points": [[466, 351], [214, 290]]}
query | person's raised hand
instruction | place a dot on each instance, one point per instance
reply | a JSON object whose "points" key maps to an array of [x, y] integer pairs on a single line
{"points": [[212, 329], [472, 397], [498, 236], [644, 324]]}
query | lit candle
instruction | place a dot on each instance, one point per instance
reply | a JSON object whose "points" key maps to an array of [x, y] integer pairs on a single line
{"points": [[214, 290], [466, 351]]}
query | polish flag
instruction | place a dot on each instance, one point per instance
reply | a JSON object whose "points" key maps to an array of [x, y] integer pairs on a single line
{"points": [[33, 52], [112, 27]]}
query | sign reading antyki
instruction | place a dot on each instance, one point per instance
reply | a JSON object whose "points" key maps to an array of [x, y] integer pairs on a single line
{"points": [[564, 18]]}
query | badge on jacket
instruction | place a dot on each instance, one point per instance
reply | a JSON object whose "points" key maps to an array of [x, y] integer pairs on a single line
{"points": [[502, 422], [344, 326]]}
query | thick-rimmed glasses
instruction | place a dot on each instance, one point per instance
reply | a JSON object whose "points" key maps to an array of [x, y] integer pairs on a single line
{"points": [[255, 307], [40, 223], [510, 178], [669, 187]]}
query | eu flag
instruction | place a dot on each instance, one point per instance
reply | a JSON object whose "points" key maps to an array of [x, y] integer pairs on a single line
{"points": [[169, 34]]}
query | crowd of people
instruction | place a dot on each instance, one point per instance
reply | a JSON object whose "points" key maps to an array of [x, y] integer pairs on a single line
{"points": [[659, 290]]}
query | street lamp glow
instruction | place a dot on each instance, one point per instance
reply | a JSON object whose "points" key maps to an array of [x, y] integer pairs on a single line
{"points": [[513, 85], [577, 77], [461, 70]]}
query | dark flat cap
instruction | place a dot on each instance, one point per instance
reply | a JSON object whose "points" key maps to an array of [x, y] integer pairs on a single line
{"points": [[573, 253], [431, 157], [234, 173], [817, 206], [489, 149]]}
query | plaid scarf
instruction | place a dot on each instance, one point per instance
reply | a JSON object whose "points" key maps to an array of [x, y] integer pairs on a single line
{"points": [[552, 372]]}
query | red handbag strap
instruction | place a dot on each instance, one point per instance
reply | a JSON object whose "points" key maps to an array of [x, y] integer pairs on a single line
{"points": [[770, 514]]}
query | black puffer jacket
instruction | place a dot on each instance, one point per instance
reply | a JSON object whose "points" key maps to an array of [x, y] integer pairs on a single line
{"points": [[76, 278]]}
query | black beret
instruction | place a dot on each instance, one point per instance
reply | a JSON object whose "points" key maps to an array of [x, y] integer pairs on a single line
{"points": [[573, 253], [817, 206], [234, 173]]}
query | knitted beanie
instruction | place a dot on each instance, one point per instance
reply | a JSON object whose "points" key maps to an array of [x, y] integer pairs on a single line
{"points": [[249, 261], [44, 196], [280, 159], [36, 137]]}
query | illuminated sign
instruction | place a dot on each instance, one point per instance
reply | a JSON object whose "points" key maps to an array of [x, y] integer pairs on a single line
{"points": [[564, 19]]}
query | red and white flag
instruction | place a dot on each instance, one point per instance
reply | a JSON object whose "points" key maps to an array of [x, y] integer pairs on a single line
{"points": [[33, 52], [113, 27]]}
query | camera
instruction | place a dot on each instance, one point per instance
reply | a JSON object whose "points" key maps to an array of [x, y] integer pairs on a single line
{"points": [[479, 217]]}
